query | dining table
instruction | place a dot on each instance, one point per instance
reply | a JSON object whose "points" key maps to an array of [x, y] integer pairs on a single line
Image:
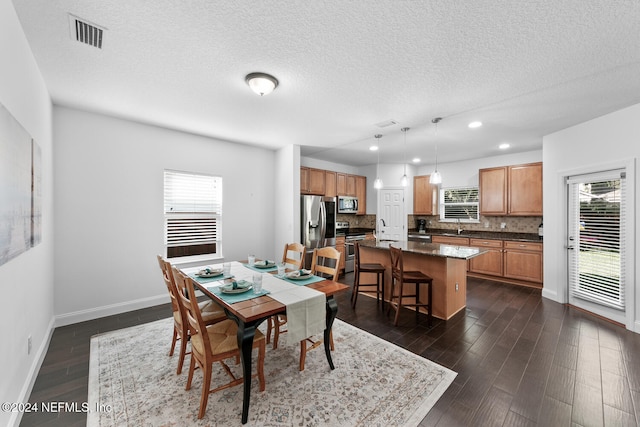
{"points": [[249, 310]]}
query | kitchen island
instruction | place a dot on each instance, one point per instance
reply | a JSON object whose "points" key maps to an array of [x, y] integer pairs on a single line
{"points": [[446, 264]]}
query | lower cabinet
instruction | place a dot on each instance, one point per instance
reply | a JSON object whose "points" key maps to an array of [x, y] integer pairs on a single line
{"points": [[523, 261], [489, 262], [516, 261]]}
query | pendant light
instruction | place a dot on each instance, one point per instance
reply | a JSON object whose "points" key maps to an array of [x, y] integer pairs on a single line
{"points": [[404, 180], [377, 184], [435, 177]]}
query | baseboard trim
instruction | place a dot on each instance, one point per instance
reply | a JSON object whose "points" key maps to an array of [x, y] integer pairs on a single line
{"points": [[27, 388], [109, 310]]}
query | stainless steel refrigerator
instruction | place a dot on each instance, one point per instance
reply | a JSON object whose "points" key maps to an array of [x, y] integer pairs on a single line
{"points": [[317, 224]]}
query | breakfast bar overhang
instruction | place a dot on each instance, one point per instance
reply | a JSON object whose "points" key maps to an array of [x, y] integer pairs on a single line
{"points": [[446, 264]]}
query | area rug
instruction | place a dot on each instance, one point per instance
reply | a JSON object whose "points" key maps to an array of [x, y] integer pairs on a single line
{"points": [[133, 382]]}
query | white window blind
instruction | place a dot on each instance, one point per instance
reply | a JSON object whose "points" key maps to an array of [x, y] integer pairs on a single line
{"points": [[459, 204], [193, 212], [597, 219]]}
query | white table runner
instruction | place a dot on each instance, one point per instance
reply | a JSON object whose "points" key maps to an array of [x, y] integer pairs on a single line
{"points": [[306, 307]]}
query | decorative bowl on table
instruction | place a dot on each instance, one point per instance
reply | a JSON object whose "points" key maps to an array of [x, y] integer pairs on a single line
{"points": [[209, 272], [264, 264], [301, 274], [236, 287]]}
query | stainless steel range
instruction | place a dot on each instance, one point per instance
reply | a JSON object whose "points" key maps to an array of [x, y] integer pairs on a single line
{"points": [[350, 238]]}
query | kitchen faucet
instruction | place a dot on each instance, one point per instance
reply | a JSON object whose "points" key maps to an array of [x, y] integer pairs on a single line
{"points": [[383, 223], [460, 230]]}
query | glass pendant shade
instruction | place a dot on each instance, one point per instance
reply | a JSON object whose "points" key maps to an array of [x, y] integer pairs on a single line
{"points": [[377, 184], [435, 178], [404, 181]]}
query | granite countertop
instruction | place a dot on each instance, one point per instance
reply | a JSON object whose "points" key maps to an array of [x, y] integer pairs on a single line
{"points": [[429, 249], [497, 235]]}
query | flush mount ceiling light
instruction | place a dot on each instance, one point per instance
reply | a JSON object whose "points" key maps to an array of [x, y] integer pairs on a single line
{"points": [[404, 181], [373, 148], [474, 125], [504, 146], [416, 160], [435, 177], [377, 184], [261, 83]]}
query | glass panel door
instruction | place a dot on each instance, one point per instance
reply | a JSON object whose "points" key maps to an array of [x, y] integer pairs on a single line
{"points": [[596, 244]]}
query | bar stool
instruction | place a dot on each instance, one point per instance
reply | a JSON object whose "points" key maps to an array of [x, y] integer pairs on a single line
{"points": [[378, 269], [400, 278]]}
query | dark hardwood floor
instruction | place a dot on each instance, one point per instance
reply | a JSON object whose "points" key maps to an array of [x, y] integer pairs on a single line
{"points": [[521, 360]]}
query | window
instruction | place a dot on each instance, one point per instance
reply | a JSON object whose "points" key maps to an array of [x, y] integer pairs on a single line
{"points": [[193, 212], [459, 204]]}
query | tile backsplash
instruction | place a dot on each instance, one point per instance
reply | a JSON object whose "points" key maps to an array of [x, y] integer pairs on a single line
{"points": [[523, 224], [520, 224]]}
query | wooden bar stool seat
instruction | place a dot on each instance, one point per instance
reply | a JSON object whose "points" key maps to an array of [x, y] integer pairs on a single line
{"points": [[400, 278], [377, 269]]}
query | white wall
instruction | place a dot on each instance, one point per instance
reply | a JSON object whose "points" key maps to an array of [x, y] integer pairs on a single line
{"points": [[286, 198], [109, 207], [26, 282], [613, 138]]}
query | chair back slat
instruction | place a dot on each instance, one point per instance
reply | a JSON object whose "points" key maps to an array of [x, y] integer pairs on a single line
{"points": [[294, 255], [326, 262], [189, 303], [397, 267]]}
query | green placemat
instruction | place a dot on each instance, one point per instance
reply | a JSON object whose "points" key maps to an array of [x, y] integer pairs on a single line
{"points": [[261, 270], [310, 280]]}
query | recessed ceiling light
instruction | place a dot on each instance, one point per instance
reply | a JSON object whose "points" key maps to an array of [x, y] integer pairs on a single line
{"points": [[504, 146], [373, 148], [416, 160], [474, 125]]}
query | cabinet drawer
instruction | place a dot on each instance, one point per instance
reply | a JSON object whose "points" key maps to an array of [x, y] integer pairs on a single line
{"points": [[448, 240], [485, 243], [523, 246]]}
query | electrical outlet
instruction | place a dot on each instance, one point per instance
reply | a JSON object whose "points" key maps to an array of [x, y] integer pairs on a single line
{"points": [[29, 345], [486, 224], [503, 225]]}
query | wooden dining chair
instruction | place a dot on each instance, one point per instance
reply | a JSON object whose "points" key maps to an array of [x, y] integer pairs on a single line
{"points": [[325, 263], [213, 343], [211, 313], [293, 256], [400, 278], [372, 268]]}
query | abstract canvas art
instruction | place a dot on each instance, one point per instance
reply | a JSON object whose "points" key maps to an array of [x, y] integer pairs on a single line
{"points": [[17, 181]]}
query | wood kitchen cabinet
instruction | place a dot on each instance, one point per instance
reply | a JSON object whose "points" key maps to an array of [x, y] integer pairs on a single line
{"points": [[330, 189], [525, 189], [425, 196], [312, 181], [489, 262], [345, 184], [361, 194], [511, 190], [450, 240], [523, 261]]}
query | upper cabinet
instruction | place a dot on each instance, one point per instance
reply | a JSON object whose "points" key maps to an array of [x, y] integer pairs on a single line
{"points": [[361, 194], [332, 184], [346, 184], [425, 196], [511, 190], [312, 181]]}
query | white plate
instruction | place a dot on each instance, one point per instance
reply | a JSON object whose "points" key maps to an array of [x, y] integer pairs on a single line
{"points": [[243, 286], [211, 273], [293, 276], [261, 264]]}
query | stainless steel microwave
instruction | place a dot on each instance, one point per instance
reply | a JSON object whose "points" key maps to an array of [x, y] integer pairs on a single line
{"points": [[347, 204]]}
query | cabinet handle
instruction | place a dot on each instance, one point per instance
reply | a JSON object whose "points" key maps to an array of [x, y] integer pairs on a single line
{"points": [[523, 246]]}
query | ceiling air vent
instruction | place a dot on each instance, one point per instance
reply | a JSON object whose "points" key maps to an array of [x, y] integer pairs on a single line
{"points": [[386, 123], [85, 32]]}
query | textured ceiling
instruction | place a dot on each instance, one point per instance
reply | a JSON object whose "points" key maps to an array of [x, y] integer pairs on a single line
{"points": [[525, 69]]}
